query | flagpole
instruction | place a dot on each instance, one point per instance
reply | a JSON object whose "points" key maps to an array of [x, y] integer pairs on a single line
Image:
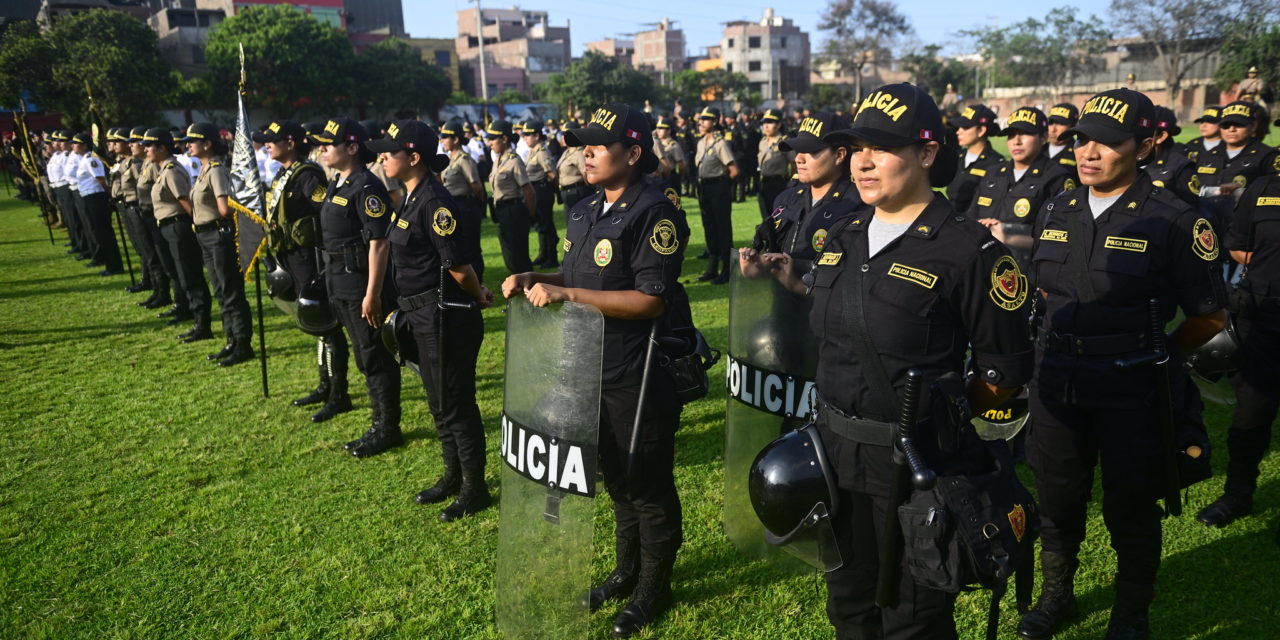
{"points": [[21, 128], [262, 332]]}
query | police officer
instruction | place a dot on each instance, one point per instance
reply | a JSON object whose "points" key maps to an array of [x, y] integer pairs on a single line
{"points": [[687, 136], [433, 259], [569, 173], [1102, 251], [1063, 116], [717, 173], [626, 246], [395, 188], [215, 229], [1210, 134], [906, 265], [773, 161], [515, 203], [1013, 191], [142, 227], [974, 125], [56, 170], [171, 200], [1242, 156], [126, 203], [147, 173], [293, 209], [671, 164], [1253, 242], [541, 170], [461, 178], [94, 204], [353, 223], [1169, 168]]}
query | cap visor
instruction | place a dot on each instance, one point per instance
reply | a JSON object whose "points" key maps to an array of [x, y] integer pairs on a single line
{"points": [[1205, 119], [1105, 135], [1060, 120], [383, 145], [266, 136], [874, 136], [1240, 120], [806, 144], [963, 122], [588, 136], [1021, 127]]}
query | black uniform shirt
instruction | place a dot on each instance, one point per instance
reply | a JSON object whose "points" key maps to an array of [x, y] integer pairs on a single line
{"points": [[1003, 196], [1256, 228], [1148, 244], [304, 192], [1194, 147], [962, 186], [800, 226], [425, 236], [1175, 172], [1254, 160], [1066, 158], [353, 213], [638, 244]]}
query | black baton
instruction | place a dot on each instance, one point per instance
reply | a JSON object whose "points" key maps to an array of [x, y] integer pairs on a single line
{"points": [[909, 471], [1158, 359]]}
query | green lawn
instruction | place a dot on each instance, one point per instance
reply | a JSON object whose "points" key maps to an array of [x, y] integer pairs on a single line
{"points": [[147, 494]]}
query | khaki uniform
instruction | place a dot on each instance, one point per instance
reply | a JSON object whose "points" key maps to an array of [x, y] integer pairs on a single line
{"points": [[148, 172], [508, 177], [713, 157], [773, 161], [173, 182], [129, 170], [668, 150], [570, 168], [539, 163], [460, 174], [214, 182]]}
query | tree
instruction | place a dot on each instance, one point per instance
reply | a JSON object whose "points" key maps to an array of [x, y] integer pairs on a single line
{"points": [[712, 85], [828, 97], [509, 96], [295, 63], [933, 74], [862, 31], [1180, 29], [1042, 53], [598, 79], [1261, 50], [395, 80], [27, 59]]}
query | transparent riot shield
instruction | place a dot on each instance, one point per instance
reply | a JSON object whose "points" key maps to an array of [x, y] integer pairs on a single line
{"points": [[769, 374], [551, 417]]}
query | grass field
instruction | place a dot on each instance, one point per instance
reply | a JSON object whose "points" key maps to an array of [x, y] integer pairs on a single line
{"points": [[147, 494]]}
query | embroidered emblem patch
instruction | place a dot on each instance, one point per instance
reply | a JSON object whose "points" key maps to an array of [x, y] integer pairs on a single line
{"points": [[442, 222], [1205, 243], [1126, 244], [1022, 207], [819, 240], [673, 196], [1018, 521], [663, 239], [374, 207], [829, 259], [913, 275], [603, 253], [317, 194], [1008, 285], [1054, 235]]}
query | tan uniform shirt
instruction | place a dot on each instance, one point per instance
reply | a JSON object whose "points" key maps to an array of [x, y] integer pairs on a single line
{"points": [[129, 170], [508, 177], [713, 157], [173, 182], [570, 168], [214, 181], [773, 161], [461, 172], [147, 174], [116, 189], [539, 163], [669, 150]]}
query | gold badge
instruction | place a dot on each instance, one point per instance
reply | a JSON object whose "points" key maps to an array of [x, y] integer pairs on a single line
{"points": [[1022, 207], [374, 207], [1008, 285], [442, 222], [1240, 180], [1276, 165], [819, 240], [978, 172], [663, 239], [1068, 185], [1126, 244], [1158, 183], [1207, 170], [317, 194], [567, 245], [673, 196], [1053, 235], [339, 200], [402, 223], [603, 253], [829, 259], [1205, 243], [913, 275], [1018, 521]]}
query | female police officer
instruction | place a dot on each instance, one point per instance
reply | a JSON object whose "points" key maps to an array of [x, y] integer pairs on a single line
{"points": [[216, 235], [461, 177], [514, 200], [906, 283], [1102, 252], [626, 244], [171, 199], [428, 240], [353, 225]]}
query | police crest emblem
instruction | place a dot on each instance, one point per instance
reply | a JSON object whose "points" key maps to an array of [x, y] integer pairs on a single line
{"points": [[1008, 285]]}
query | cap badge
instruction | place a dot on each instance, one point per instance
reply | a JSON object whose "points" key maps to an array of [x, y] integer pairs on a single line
{"points": [[811, 126], [604, 118], [885, 103], [331, 127], [393, 131]]}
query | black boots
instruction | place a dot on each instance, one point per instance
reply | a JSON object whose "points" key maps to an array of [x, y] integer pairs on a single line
{"points": [[241, 351], [626, 573], [447, 485], [338, 402], [335, 373], [1245, 450], [383, 435], [1129, 619], [473, 495], [713, 269], [1225, 510], [317, 395], [199, 331], [651, 598], [1057, 603], [727, 264], [226, 351]]}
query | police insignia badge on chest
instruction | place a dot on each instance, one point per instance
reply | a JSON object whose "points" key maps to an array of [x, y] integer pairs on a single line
{"points": [[317, 194], [819, 240], [673, 196], [1206, 241], [442, 222], [1240, 180], [603, 253], [663, 240], [374, 208], [1008, 285], [1022, 207]]}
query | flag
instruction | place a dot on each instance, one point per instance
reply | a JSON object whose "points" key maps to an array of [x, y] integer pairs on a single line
{"points": [[246, 189], [98, 132]]}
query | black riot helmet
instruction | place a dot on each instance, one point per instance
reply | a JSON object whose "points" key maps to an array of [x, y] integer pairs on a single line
{"points": [[398, 339], [280, 285], [1005, 421], [1212, 362], [793, 492], [314, 315]]}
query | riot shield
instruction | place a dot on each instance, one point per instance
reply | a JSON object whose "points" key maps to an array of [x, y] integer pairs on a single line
{"points": [[551, 418], [769, 374]]}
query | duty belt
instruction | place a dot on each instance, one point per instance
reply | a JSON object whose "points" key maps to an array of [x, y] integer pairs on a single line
{"points": [[855, 429], [415, 302], [161, 222], [209, 226], [508, 200], [1085, 346]]}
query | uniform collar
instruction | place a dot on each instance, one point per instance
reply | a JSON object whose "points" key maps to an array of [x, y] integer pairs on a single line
{"points": [[1131, 202], [624, 204], [925, 225], [1036, 168]]}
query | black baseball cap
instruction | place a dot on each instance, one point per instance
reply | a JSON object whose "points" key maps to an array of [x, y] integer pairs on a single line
{"points": [[531, 127], [617, 123], [900, 115], [1115, 116], [343, 131], [451, 129], [1064, 113], [772, 115], [808, 138], [83, 138], [664, 122], [281, 130], [115, 134], [1167, 120], [498, 129], [411, 135], [1240, 112], [136, 134], [976, 115], [157, 136], [200, 131], [709, 113], [373, 128], [1211, 114], [1026, 120]]}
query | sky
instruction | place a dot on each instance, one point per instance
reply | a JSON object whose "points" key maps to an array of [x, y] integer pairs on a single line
{"points": [[935, 21]]}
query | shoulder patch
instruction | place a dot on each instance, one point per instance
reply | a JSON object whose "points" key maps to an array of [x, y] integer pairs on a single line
{"points": [[673, 196], [317, 194], [1205, 241], [1008, 285], [442, 222], [374, 207], [664, 239]]}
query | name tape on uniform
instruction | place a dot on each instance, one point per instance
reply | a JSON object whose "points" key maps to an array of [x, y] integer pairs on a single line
{"points": [[549, 460], [768, 391], [1126, 244]]}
